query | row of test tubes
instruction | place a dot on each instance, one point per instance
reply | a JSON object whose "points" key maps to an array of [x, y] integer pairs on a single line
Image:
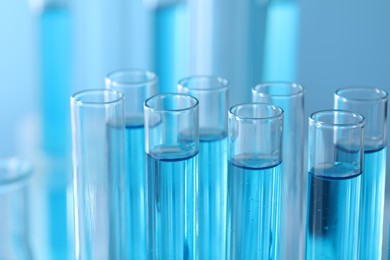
{"points": [[181, 176]]}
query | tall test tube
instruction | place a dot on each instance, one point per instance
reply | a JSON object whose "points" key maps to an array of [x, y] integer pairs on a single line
{"points": [[290, 97], [137, 86], [14, 223], [98, 174], [335, 167], [255, 158], [171, 143], [372, 104], [212, 94]]}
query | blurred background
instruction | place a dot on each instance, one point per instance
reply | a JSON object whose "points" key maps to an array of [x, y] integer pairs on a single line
{"points": [[51, 48]]}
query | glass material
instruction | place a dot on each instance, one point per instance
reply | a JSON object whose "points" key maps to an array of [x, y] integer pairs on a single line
{"points": [[372, 104], [333, 198], [98, 174], [14, 224], [290, 97], [255, 167], [171, 143], [137, 86], [212, 94]]}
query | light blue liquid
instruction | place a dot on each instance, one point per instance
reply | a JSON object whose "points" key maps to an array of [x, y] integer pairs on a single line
{"points": [[253, 207], [171, 205], [212, 196], [372, 204], [136, 186], [333, 212]]}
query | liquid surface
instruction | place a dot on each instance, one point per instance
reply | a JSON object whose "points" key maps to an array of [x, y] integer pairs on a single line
{"points": [[253, 207], [333, 213]]}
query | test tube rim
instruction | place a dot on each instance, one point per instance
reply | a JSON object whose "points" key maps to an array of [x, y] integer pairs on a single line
{"points": [[23, 168], [76, 101], [298, 87], [151, 78], [320, 124], [233, 109], [224, 86], [382, 94], [194, 105]]}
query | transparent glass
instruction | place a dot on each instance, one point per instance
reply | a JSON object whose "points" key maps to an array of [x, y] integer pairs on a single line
{"points": [[290, 97], [333, 198], [14, 224], [171, 143], [212, 94], [372, 104], [98, 174], [255, 167], [137, 86]]}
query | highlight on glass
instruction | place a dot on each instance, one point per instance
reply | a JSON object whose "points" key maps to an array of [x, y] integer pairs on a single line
{"points": [[15, 216], [290, 97], [255, 168], [136, 85], [212, 94], [171, 144], [333, 199], [372, 104], [98, 174]]}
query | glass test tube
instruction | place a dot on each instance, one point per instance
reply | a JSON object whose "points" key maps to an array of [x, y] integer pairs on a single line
{"points": [[171, 143], [212, 94], [98, 174], [137, 86], [372, 104], [335, 167], [290, 97], [255, 166], [14, 218]]}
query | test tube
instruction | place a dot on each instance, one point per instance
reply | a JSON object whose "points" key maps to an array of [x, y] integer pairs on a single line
{"points": [[212, 94], [171, 143], [255, 167], [372, 104], [290, 97], [98, 174], [137, 85], [14, 224], [335, 167]]}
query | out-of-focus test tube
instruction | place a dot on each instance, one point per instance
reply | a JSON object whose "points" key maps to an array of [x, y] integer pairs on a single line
{"points": [[212, 94], [333, 196], [14, 217], [171, 143], [98, 174], [290, 97], [255, 166], [372, 104], [137, 86]]}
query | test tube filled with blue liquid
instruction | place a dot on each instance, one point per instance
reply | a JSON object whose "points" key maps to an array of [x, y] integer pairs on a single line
{"points": [[212, 94], [333, 198], [255, 166], [372, 104], [137, 86], [171, 143], [289, 96]]}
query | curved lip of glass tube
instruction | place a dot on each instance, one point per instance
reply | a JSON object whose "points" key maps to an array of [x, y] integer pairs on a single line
{"points": [[297, 89], [150, 77], [76, 98], [381, 94], [223, 83], [360, 120], [20, 170], [278, 114], [193, 102]]}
